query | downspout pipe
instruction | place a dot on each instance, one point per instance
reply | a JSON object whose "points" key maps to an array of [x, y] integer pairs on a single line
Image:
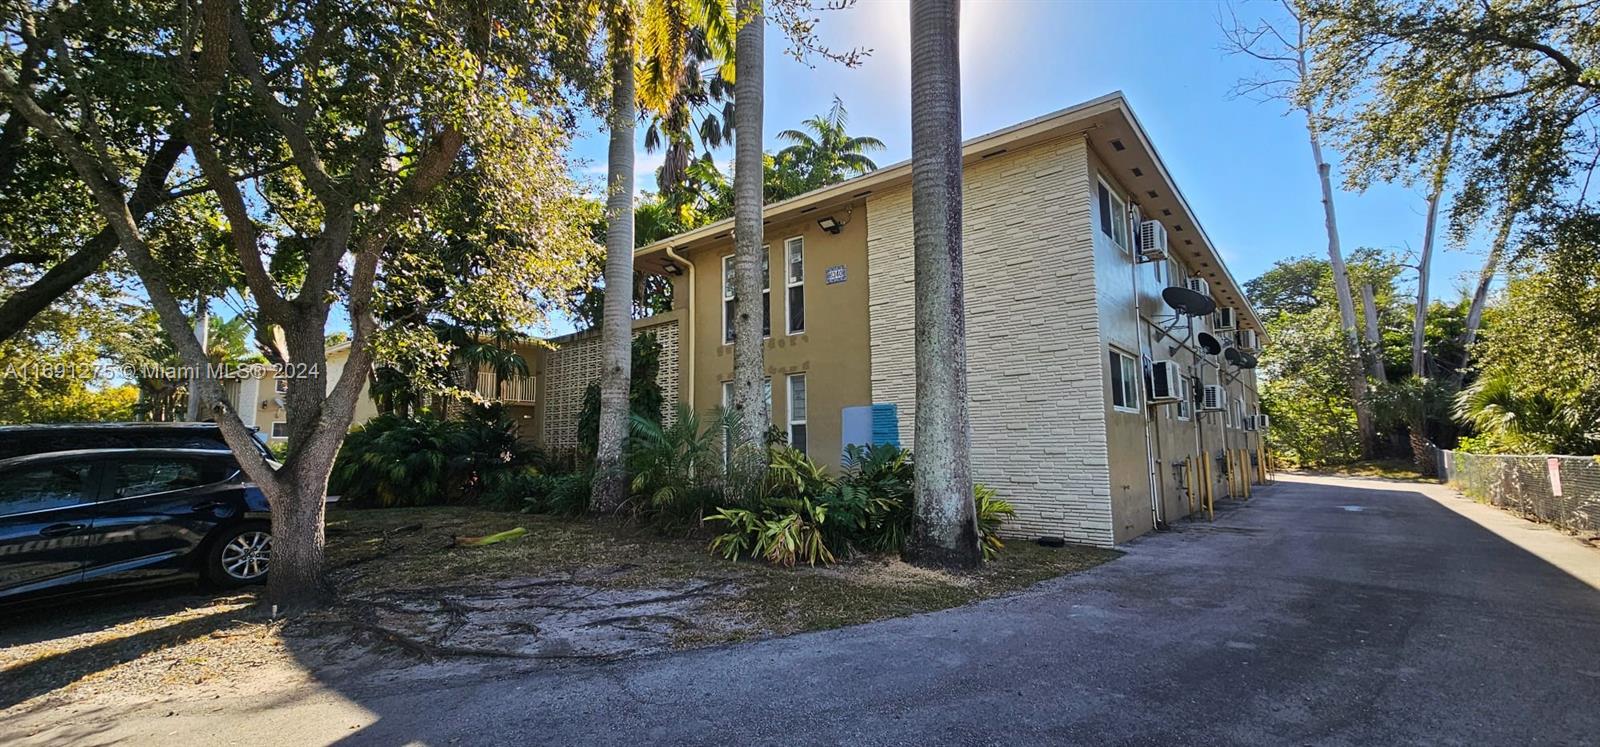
{"points": [[686, 359], [1150, 476]]}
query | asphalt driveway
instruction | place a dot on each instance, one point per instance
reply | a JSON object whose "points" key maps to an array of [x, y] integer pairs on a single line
{"points": [[1321, 612]]}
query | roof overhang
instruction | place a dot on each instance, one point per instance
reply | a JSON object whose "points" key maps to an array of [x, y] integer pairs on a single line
{"points": [[1107, 121]]}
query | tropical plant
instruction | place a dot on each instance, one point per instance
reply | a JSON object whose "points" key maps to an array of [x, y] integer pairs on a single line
{"points": [[825, 155], [392, 461], [785, 531], [676, 468], [992, 512]]}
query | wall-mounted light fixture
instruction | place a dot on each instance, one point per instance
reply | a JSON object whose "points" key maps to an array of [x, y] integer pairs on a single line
{"points": [[671, 268], [830, 225]]}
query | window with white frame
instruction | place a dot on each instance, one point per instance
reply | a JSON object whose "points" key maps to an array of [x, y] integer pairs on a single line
{"points": [[280, 429], [728, 298], [1113, 215], [797, 411], [1124, 382], [1184, 403], [794, 283], [727, 396], [280, 385]]}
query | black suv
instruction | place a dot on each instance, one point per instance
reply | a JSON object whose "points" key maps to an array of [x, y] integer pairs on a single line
{"points": [[22, 440], [114, 515]]}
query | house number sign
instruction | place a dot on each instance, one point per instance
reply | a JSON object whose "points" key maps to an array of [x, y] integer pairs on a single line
{"points": [[836, 274]]}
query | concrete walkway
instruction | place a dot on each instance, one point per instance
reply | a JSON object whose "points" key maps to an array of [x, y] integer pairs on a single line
{"points": [[1324, 611]]}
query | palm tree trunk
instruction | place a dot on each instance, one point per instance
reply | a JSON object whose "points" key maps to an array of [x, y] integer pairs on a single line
{"points": [[944, 531], [616, 327], [1355, 376], [1369, 310], [749, 367]]}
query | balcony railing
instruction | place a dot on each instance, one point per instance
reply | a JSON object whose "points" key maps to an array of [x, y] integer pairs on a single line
{"points": [[520, 389]]}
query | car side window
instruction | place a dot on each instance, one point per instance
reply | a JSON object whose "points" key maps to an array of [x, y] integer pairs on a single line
{"points": [[144, 477], [43, 488]]}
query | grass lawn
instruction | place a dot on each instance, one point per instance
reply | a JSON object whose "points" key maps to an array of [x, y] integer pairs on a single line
{"points": [[393, 550]]}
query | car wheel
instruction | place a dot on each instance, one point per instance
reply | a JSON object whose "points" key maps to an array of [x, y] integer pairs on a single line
{"points": [[240, 555]]}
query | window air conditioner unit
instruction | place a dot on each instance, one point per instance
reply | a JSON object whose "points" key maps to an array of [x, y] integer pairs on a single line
{"points": [[1249, 422], [1225, 320], [1153, 241], [1263, 421], [1247, 339], [1199, 285], [1165, 381], [1214, 398]]}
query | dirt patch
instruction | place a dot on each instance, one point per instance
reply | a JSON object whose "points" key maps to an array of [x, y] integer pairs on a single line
{"points": [[415, 605]]}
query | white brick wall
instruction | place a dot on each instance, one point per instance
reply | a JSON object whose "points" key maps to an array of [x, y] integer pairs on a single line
{"points": [[1033, 342]]}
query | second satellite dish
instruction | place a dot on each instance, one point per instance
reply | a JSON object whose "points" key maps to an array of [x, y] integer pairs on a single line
{"points": [[1209, 343]]}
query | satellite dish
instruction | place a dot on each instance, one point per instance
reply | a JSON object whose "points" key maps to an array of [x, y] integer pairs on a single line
{"points": [[1188, 302], [1233, 355], [1246, 360], [1208, 343]]}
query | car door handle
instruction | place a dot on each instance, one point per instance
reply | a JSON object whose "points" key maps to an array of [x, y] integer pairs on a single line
{"points": [[61, 530]]}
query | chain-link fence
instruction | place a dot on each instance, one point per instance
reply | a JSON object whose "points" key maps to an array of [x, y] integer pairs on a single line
{"points": [[1560, 490]]}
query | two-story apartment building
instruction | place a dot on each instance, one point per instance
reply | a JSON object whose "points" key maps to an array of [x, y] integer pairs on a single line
{"points": [[1066, 325]]}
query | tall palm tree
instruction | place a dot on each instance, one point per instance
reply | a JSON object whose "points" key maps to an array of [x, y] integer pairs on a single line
{"points": [[827, 154], [654, 38], [749, 370], [616, 327], [944, 531]]}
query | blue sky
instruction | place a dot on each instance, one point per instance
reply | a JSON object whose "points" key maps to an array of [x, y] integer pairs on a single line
{"points": [[1244, 166]]}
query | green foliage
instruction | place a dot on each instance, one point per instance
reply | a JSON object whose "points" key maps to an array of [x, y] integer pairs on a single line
{"points": [[677, 469], [393, 461], [800, 513], [645, 398], [992, 512], [821, 154]]}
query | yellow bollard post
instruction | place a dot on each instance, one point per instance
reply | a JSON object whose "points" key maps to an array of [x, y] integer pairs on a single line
{"points": [[1211, 501], [1244, 471]]}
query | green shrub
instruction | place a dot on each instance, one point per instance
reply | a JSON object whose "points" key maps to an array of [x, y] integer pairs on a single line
{"points": [[562, 495], [991, 513], [677, 469], [784, 532], [394, 461]]}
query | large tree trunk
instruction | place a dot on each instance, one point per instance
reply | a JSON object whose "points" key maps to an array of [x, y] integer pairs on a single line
{"points": [[944, 529], [1369, 310], [1480, 296], [202, 334], [749, 366], [616, 325], [1419, 323], [1355, 376]]}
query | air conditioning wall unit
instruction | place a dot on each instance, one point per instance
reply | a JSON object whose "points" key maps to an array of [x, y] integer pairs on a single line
{"points": [[1166, 379], [1249, 422], [1153, 240], [1214, 398], [1263, 421], [1248, 339], [1199, 285], [1226, 319]]}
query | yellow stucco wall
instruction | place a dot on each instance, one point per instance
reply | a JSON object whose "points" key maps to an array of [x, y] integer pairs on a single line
{"points": [[831, 352]]}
